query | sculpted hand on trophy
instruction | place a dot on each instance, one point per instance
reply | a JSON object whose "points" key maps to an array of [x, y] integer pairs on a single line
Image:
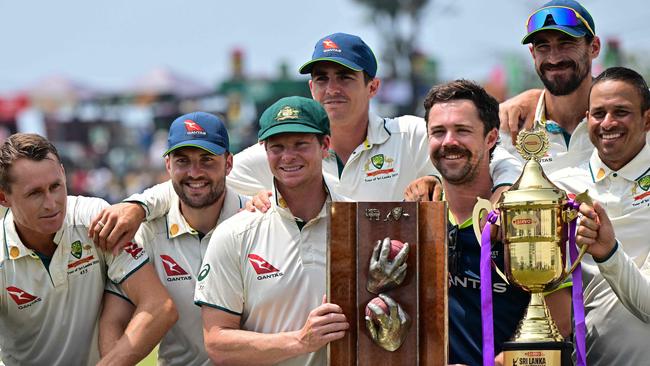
{"points": [[387, 322], [387, 265]]}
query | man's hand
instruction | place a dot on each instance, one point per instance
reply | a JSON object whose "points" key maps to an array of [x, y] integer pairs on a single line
{"points": [[596, 231], [391, 329], [426, 188], [259, 202], [385, 274], [518, 112], [116, 225], [325, 324]]}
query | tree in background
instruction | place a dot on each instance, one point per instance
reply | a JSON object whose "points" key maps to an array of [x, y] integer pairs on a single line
{"points": [[398, 24]]}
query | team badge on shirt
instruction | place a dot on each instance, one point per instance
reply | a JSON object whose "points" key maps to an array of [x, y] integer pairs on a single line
{"points": [[76, 250], [263, 268], [77, 262], [644, 182], [21, 297], [379, 166]]}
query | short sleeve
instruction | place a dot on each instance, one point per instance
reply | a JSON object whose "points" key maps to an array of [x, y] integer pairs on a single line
{"points": [[130, 259], [420, 146], [220, 283], [250, 172], [155, 200], [504, 168], [116, 290]]}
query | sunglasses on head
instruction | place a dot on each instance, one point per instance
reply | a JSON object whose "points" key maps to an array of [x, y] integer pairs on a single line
{"points": [[561, 16]]}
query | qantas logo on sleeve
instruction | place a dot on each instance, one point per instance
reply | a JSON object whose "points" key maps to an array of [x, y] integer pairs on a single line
{"points": [[133, 249], [263, 268], [22, 298], [173, 270]]}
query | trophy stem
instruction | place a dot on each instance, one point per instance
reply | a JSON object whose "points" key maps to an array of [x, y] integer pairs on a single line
{"points": [[537, 325]]}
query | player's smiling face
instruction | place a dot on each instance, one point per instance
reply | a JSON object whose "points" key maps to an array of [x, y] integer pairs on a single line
{"points": [[198, 176], [341, 91], [617, 126], [37, 198], [296, 159], [457, 143]]}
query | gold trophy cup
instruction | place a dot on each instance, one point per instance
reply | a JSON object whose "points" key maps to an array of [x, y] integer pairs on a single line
{"points": [[532, 215]]}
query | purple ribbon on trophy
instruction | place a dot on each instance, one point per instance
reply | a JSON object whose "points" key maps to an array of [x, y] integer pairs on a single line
{"points": [[486, 290]]}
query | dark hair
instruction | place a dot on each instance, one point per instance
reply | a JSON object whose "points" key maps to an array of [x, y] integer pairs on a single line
{"points": [[486, 105], [367, 78], [627, 76], [22, 146]]}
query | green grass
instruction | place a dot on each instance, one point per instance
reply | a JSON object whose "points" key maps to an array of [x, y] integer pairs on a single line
{"points": [[151, 359]]}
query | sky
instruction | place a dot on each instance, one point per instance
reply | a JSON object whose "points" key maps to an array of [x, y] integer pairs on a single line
{"points": [[108, 44]]}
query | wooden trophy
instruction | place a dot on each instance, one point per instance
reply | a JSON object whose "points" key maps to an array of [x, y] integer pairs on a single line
{"points": [[354, 230]]}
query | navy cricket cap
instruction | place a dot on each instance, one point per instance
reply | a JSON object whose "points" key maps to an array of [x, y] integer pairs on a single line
{"points": [[198, 129], [567, 16], [344, 49]]}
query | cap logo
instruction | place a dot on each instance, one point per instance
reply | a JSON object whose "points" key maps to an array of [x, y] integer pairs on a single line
{"points": [[330, 46], [193, 128], [287, 113]]}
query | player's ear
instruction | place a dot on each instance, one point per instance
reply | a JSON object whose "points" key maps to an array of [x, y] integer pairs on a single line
{"points": [[228, 157], [3, 199]]}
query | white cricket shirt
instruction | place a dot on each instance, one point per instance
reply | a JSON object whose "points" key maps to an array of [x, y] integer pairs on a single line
{"points": [[262, 267], [177, 252], [615, 336], [50, 317]]}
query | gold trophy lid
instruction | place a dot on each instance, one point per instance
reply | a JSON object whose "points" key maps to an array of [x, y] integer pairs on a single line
{"points": [[533, 184]]}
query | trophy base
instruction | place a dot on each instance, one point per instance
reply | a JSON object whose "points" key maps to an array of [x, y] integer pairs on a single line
{"points": [[538, 353]]}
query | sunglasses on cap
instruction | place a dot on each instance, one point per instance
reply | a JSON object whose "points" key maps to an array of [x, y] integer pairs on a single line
{"points": [[562, 16]]}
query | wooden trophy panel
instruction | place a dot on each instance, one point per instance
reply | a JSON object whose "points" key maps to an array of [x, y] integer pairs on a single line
{"points": [[354, 231]]}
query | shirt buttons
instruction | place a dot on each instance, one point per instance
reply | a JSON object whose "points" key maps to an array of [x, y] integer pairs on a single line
{"points": [[615, 175]]}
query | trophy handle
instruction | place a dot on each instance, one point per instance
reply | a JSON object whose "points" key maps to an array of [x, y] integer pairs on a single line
{"points": [[583, 250], [480, 206], [581, 198]]}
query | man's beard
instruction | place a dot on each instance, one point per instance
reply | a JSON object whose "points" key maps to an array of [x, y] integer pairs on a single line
{"points": [[215, 191], [561, 87], [465, 174]]}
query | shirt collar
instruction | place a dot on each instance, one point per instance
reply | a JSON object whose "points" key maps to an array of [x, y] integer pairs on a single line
{"points": [[631, 171], [280, 205], [177, 225], [14, 247], [452, 220], [377, 132], [541, 119]]}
